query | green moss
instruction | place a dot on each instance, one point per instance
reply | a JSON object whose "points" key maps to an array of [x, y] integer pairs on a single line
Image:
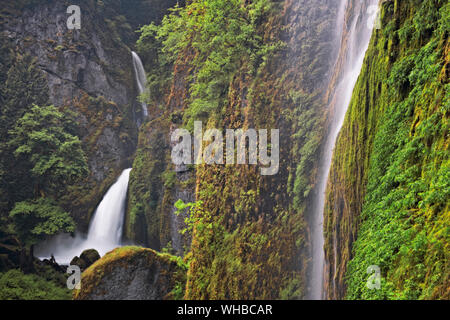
{"points": [[391, 162], [126, 256], [145, 222], [169, 178], [231, 70]]}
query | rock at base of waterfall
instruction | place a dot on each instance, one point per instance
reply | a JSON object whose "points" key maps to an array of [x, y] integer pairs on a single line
{"points": [[133, 273], [86, 259]]}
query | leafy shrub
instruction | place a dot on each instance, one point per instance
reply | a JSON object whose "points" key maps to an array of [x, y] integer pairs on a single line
{"points": [[14, 285]]}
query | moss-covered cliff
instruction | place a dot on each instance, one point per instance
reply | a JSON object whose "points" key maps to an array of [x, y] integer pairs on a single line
{"points": [[238, 64], [227, 231], [388, 192]]}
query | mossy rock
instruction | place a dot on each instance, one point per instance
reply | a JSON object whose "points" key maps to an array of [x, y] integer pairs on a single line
{"points": [[86, 259], [133, 273], [90, 256]]}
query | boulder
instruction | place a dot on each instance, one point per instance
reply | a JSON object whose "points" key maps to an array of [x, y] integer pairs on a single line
{"points": [[86, 259], [89, 257], [133, 273]]}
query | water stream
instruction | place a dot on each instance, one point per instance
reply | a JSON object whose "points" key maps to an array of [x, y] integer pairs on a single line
{"points": [[354, 49], [141, 79], [105, 230]]}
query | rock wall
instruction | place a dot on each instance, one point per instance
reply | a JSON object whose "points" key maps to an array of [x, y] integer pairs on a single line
{"points": [[257, 243], [155, 184], [90, 71], [386, 201]]}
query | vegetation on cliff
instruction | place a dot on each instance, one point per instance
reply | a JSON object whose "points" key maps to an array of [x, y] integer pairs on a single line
{"points": [[394, 149], [41, 157], [231, 64], [234, 68]]}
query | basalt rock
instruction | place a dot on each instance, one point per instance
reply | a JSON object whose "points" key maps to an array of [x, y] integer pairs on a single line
{"points": [[86, 259], [133, 273]]}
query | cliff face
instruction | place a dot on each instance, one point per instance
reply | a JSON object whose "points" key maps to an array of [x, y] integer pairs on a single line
{"points": [[89, 70], [155, 184], [262, 64], [260, 223], [387, 199], [355, 20], [250, 238]]}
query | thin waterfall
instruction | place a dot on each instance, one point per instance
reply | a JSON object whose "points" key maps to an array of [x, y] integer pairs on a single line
{"points": [[141, 79], [354, 49], [105, 231]]}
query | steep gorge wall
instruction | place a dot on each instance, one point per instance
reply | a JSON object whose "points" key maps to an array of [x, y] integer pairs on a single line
{"points": [[90, 71], [387, 199], [155, 184], [354, 39], [251, 239]]}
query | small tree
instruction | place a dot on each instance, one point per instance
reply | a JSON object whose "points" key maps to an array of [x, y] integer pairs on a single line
{"points": [[35, 220], [45, 140], [50, 158], [22, 84]]}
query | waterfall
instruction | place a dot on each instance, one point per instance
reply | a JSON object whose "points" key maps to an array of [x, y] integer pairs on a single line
{"points": [[141, 79], [105, 231], [106, 227], [353, 49]]}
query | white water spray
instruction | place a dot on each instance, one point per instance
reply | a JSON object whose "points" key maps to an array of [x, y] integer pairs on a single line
{"points": [[141, 79], [356, 48], [105, 231]]}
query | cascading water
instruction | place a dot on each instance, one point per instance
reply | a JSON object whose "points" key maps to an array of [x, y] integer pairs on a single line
{"points": [[106, 227], [355, 48], [105, 231], [141, 79]]}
